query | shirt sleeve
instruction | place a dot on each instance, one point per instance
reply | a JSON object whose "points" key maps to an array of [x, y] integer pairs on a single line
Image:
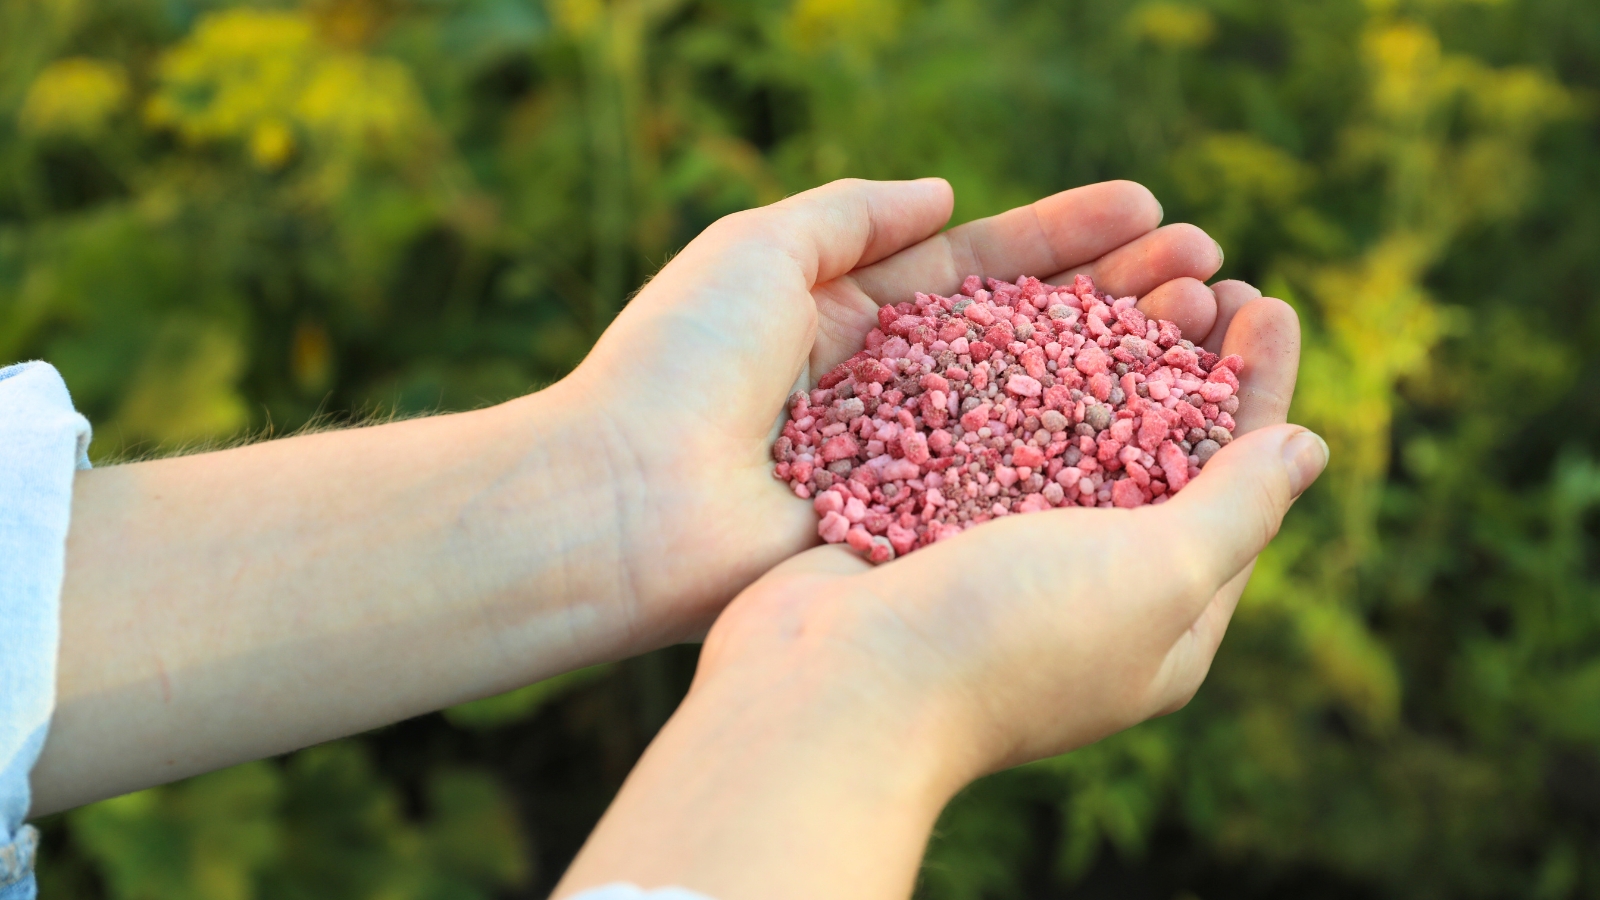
{"points": [[42, 441], [629, 892]]}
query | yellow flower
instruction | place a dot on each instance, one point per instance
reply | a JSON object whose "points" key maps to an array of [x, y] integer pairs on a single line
{"points": [[577, 17], [271, 144], [73, 96], [819, 24], [266, 80], [1172, 25]]}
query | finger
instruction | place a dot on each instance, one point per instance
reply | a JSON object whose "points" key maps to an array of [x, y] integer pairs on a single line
{"points": [[1231, 297], [846, 224], [1143, 264], [1266, 333], [1059, 232], [1063, 230], [1217, 524], [744, 285], [1185, 301], [815, 236], [1163, 563]]}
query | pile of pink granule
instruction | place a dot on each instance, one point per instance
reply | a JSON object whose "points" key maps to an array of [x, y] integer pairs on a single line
{"points": [[1014, 399]]}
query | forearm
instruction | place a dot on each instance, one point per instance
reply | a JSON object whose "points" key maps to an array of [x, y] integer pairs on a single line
{"points": [[232, 605], [776, 789]]}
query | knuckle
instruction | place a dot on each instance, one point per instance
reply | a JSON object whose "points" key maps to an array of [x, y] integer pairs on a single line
{"points": [[761, 224], [738, 222]]}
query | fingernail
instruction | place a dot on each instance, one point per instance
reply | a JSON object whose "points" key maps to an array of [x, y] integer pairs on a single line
{"points": [[1221, 257], [1306, 455]]}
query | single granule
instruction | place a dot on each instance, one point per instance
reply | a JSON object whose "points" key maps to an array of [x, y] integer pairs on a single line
{"points": [[1004, 399]]}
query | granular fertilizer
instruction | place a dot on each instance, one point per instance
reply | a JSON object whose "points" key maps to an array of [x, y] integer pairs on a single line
{"points": [[1004, 399]]}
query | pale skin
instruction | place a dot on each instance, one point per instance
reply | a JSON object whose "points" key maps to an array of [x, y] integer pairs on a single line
{"points": [[233, 605]]}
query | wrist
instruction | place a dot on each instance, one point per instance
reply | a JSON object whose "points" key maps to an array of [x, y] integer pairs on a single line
{"points": [[895, 747], [793, 648], [693, 512], [775, 781], [541, 543]]}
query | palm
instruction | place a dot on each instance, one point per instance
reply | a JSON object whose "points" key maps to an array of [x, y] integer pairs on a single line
{"points": [[766, 301]]}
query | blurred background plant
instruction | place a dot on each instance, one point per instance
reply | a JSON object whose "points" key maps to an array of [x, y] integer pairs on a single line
{"points": [[222, 218]]}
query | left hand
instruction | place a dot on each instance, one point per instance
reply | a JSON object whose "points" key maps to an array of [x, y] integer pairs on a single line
{"points": [[690, 381]]}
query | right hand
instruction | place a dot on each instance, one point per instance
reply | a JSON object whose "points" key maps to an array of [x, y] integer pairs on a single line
{"points": [[1035, 634]]}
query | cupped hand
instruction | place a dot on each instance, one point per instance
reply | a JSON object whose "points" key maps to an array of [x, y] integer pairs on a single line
{"points": [[690, 381], [1035, 634]]}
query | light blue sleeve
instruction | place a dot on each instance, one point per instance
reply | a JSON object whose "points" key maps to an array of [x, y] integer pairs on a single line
{"points": [[42, 440], [629, 892]]}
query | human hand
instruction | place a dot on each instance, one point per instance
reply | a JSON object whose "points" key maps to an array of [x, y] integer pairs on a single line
{"points": [[689, 383], [837, 707], [1033, 635]]}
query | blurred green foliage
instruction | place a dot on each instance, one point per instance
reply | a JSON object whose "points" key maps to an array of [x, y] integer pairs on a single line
{"points": [[514, 706], [219, 217], [323, 826]]}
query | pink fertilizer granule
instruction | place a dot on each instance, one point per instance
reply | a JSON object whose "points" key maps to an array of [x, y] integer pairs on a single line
{"points": [[1014, 399]]}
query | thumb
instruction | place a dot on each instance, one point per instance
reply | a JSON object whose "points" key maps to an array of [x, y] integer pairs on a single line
{"points": [[822, 233], [1223, 520]]}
